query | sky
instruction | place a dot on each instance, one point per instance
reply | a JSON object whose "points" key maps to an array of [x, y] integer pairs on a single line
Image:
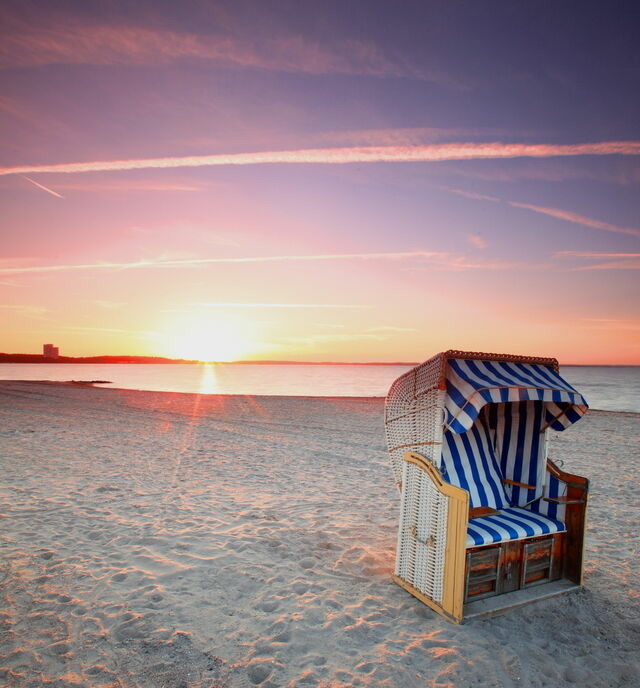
{"points": [[320, 181]]}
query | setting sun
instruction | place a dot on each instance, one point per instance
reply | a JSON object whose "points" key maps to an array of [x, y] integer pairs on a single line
{"points": [[204, 338]]}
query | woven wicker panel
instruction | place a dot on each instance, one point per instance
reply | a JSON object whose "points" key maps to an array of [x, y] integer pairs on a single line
{"points": [[414, 414], [416, 427], [422, 533]]}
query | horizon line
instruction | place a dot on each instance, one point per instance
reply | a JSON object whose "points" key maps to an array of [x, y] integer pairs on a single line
{"points": [[184, 361]]}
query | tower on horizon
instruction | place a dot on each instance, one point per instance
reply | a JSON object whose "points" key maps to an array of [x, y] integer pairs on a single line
{"points": [[50, 351]]}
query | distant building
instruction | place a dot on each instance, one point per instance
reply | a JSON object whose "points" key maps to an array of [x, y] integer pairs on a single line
{"points": [[50, 351]]}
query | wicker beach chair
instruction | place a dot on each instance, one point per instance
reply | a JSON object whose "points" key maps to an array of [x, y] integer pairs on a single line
{"points": [[487, 520]]}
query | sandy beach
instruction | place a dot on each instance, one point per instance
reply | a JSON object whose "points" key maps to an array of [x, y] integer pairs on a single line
{"points": [[155, 539]]}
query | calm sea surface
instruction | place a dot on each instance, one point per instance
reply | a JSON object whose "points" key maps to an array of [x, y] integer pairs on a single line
{"points": [[609, 388]]}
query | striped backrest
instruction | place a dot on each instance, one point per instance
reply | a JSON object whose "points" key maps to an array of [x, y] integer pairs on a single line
{"points": [[469, 461], [519, 446]]}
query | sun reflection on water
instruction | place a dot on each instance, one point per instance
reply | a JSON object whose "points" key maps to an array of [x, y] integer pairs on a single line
{"points": [[209, 379]]}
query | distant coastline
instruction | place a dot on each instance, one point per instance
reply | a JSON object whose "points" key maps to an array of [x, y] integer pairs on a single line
{"points": [[39, 358]]}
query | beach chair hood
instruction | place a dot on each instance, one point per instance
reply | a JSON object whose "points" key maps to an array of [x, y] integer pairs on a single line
{"points": [[470, 384], [447, 393]]}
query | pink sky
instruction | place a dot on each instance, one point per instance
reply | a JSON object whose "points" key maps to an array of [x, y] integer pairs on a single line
{"points": [[206, 182]]}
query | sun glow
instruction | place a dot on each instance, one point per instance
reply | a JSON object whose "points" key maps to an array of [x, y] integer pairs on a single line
{"points": [[202, 338]]}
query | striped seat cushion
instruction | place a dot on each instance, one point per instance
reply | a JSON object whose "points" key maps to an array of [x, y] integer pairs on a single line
{"points": [[510, 524]]}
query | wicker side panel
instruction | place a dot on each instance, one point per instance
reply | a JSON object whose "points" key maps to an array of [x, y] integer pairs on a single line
{"points": [[415, 426], [422, 533]]}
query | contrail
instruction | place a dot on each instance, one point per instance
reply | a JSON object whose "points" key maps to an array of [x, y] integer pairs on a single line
{"points": [[41, 186], [340, 156]]}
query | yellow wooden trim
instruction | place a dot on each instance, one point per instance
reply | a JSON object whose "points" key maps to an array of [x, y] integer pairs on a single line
{"points": [[435, 475], [456, 544], [455, 553], [423, 598]]}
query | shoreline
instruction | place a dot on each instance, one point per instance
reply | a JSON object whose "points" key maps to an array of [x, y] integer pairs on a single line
{"points": [[100, 385]]}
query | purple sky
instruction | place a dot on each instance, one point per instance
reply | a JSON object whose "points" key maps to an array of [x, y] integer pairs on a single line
{"points": [[413, 177]]}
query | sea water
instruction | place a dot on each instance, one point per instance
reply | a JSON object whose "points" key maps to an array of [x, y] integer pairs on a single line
{"points": [[609, 388]]}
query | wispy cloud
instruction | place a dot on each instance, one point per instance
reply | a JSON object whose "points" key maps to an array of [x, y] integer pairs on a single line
{"points": [[476, 240], [405, 136], [108, 305], [74, 42], [594, 254], [24, 309], [311, 340], [611, 323], [612, 261], [191, 262], [339, 156], [473, 195], [110, 330], [29, 311], [41, 186], [576, 218], [432, 259], [558, 213], [208, 304], [129, 185], [391, 328]]}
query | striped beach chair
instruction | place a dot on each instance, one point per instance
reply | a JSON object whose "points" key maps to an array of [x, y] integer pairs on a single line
{"points": [[487, 520]]}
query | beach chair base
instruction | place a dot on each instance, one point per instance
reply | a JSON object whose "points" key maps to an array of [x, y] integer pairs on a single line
{"points": [[509, 566], [498, 604], [491, 606]]}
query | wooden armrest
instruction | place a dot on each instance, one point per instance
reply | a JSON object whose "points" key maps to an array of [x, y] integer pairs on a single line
{"points": [[564, 500], [478, 511], [517, 484]]}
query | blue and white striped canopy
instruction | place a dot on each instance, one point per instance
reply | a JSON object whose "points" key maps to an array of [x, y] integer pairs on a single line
{"points": [[473, 383]]}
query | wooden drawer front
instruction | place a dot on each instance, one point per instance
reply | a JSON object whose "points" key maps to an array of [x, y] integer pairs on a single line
{"points": [[537, 562], [483, 570]]}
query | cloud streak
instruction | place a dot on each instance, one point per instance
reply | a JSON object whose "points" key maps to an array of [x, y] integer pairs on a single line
{"points": [[341, 156], [192, 262], [199, 307], [24, 309], [277, 305], [74, 42], [557, 213], [576, 218], [613, 261], [433, 259], [43, 187]]}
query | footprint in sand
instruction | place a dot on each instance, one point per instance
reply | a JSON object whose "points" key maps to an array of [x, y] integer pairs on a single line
{"points": [[284, 637], [269, 605], [259, 671], [118, 577]]}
